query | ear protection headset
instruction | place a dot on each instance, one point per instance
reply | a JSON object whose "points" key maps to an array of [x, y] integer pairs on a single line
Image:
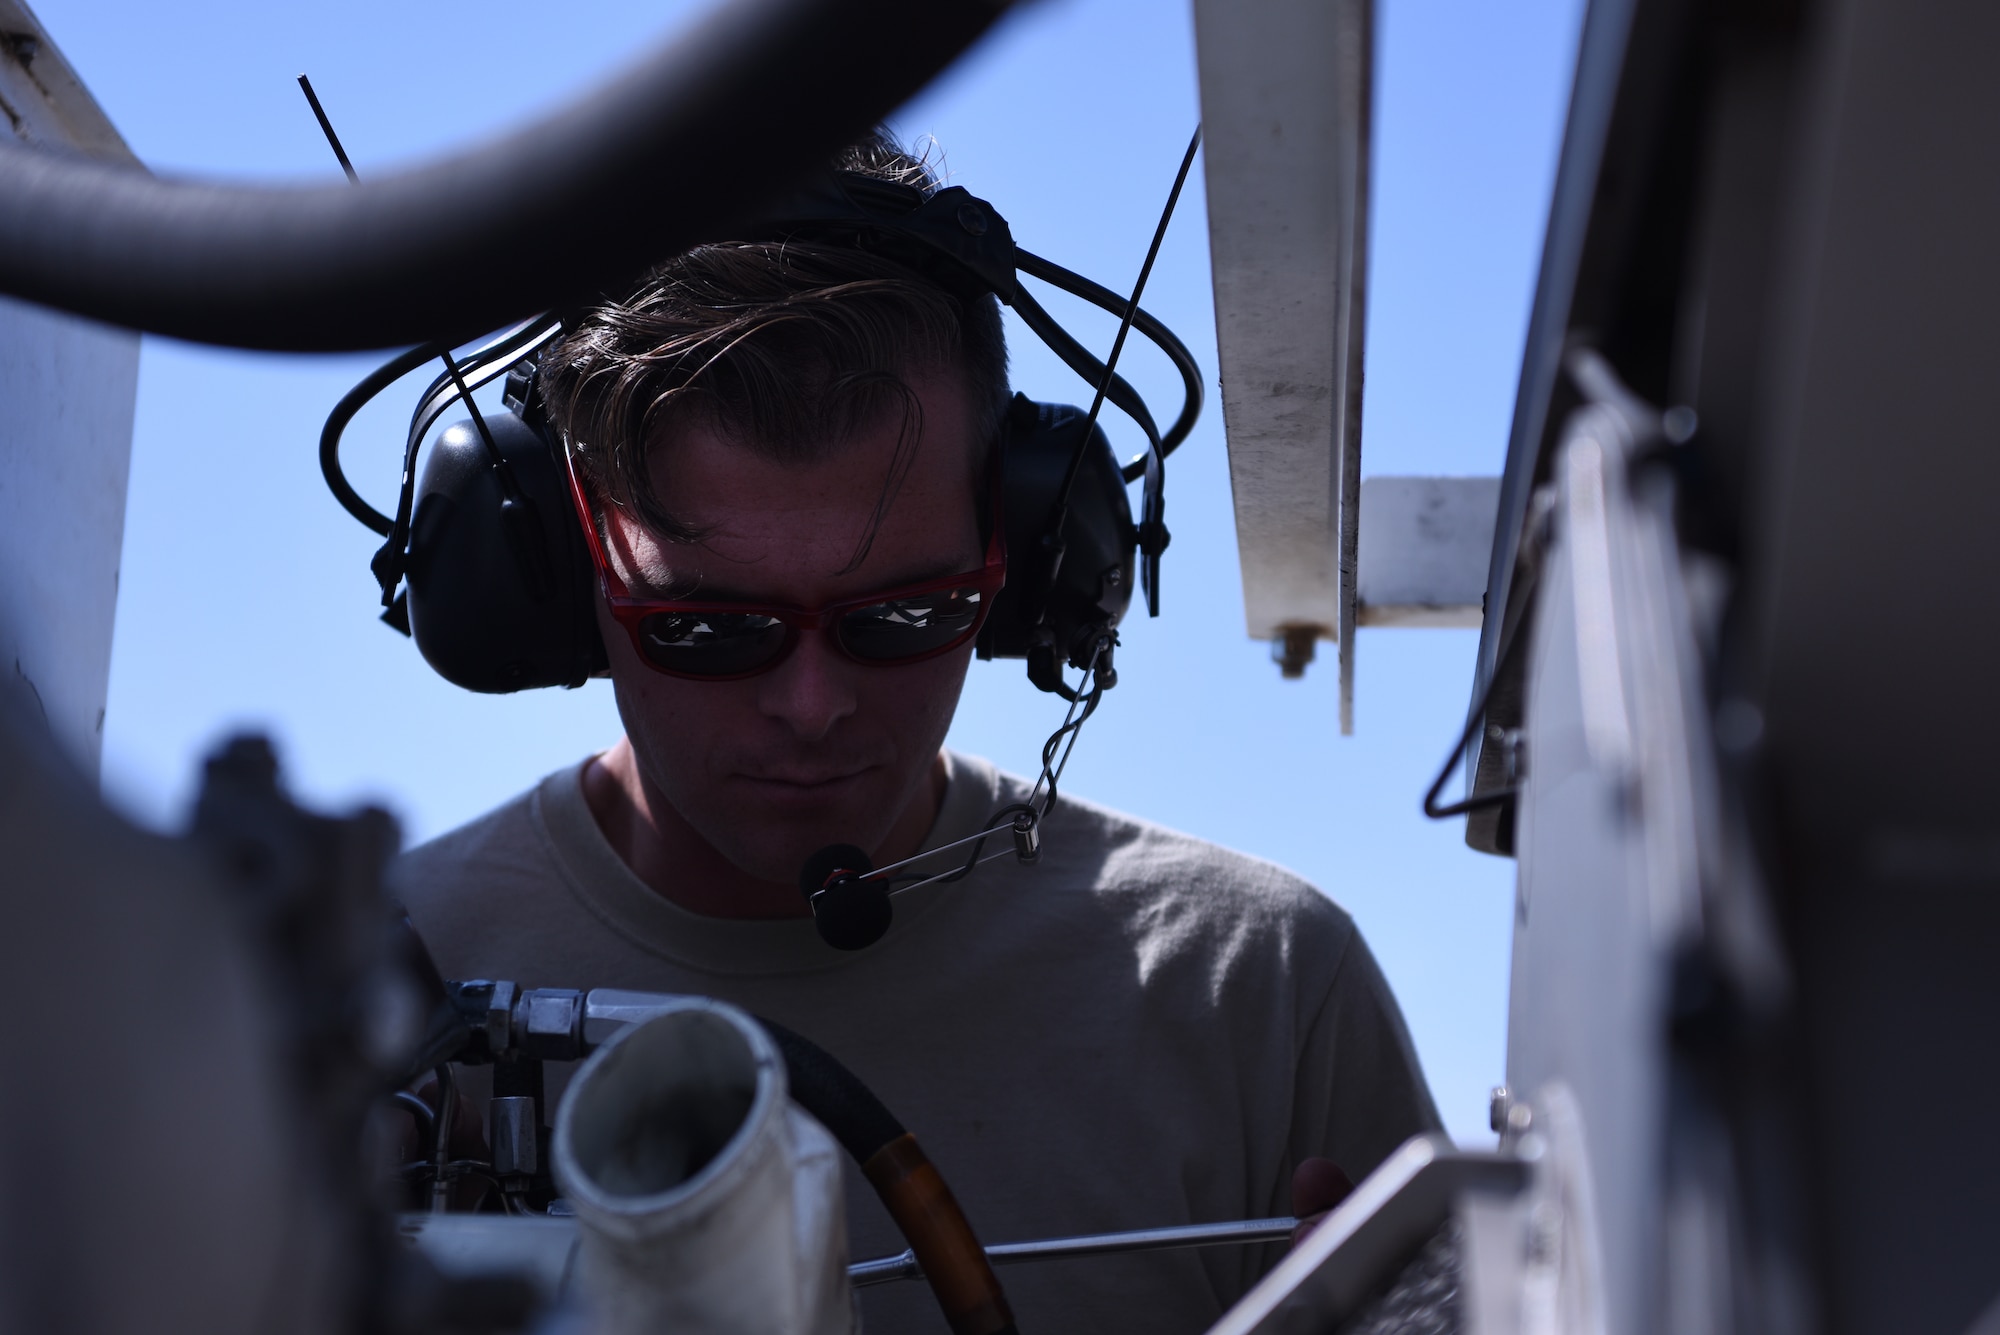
{"points": [[501, 590]]}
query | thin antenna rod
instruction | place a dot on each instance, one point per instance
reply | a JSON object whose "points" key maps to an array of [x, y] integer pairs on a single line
{"points": [[450, 364], [516, 510], [1125, 327], [478, 419], [326, 125]]}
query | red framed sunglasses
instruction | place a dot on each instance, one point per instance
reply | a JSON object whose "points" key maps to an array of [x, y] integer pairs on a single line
{"points": [[723, 641]]}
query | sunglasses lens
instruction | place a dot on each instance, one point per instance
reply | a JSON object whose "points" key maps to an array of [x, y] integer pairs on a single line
{"points": [[903, 628], [711, 645]]}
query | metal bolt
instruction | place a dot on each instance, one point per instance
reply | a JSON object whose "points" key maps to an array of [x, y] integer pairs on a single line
{"points": [[1294, 648], [1496, 1108]]}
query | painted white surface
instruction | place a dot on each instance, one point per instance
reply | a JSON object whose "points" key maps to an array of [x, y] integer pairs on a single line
{"points": [[66, 396], [1425, 543], [41, 98], [67, 391], [1284, 106]]}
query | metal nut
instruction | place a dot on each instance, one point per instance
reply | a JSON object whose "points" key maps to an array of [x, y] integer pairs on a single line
{"points": [[500, 1018], [549, 1022]]}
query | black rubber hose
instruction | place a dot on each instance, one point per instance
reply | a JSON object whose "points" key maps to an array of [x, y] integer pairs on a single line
{"points": [[693, 142], [908, 1184], [1080, 360], [336, 422], [834, 1095], [1162, 337]]}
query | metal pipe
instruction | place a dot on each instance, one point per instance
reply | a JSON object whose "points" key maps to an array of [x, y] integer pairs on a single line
{"points": [[704, 1199], [447, 1120], [1236, 1233], [514, 1130], [681, 148], [426, 1118]]}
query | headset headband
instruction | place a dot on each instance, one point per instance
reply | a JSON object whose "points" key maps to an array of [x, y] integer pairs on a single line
{"points": [[950, 236]]}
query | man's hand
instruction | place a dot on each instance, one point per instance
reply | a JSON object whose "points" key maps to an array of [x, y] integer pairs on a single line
{"points": [[1317, 1186]]}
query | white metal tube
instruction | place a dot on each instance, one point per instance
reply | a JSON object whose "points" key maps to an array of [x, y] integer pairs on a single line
{"points": [[705, 1199]]}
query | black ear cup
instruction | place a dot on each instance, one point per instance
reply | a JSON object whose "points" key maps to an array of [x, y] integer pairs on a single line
{"points": [[490, 616], [850, 913], [1054, 609], [489, 609]]}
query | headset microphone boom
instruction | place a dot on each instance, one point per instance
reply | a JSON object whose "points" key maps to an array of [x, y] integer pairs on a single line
{"points": [[850, 903]]}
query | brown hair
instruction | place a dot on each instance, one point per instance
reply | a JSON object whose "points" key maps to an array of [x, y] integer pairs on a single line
{"points": [[790, 345]]}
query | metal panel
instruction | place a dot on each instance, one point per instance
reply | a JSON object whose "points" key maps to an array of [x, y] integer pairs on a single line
{"points": [[1423, 559], [1874, 559], [1285, 101], [1617, 62], [1613, 813], [1356, 1250], [41, 97], [68, 390]]}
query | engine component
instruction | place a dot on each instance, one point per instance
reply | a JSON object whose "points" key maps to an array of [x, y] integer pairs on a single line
{"points": [[485, 1021], [243, 988], [705, 1199], [511, 1131]]}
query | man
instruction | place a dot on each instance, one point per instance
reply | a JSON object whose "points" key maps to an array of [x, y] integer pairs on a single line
{"points": [[1139, 1030]]}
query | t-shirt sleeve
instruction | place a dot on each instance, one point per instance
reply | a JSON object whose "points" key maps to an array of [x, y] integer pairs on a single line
{"points": [[1360, 1091]]}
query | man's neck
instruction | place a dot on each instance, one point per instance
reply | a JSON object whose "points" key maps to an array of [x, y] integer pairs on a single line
{"points": [[676, 863]]}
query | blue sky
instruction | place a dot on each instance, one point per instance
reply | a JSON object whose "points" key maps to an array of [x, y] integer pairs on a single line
{"points": [[246, 599]]}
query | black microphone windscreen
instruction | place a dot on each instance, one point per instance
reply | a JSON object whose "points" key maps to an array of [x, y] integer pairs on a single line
{"points": [[850, 913], [821, 866]]}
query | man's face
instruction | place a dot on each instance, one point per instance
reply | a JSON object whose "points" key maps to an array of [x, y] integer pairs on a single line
{"points": [[819, 749]]}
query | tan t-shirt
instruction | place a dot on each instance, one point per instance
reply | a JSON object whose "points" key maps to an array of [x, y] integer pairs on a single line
{"points": [[1137, 1031]]}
